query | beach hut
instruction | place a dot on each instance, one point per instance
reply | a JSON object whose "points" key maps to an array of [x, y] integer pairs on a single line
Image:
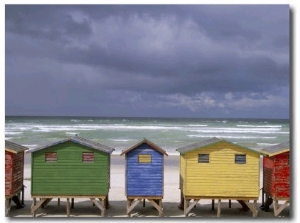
{"points": [[14, 174], [144, 175], [276, 176], [70, 168], [217, 169]]}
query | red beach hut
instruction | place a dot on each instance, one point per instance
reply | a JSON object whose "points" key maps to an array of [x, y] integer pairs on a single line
{"points": [[276, 176], [14, 173]]}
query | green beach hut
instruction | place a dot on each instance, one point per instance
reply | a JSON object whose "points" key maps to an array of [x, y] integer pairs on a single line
{"points": [[70, 168]]}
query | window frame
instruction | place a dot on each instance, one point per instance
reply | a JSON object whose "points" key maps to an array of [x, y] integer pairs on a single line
{"points": [[243, 161], [139, 161], [205, 160], [51, 157], [89, 155]]}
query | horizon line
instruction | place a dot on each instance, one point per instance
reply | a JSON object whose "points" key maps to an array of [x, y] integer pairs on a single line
{"points": [[145, 117]]}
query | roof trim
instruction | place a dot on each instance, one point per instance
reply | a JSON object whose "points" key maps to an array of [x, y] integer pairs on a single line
{"points": [[153, 145], [210, 142], [78, 140]]}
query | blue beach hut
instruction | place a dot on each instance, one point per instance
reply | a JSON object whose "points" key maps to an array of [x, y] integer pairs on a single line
{"points": [[144, 175]]}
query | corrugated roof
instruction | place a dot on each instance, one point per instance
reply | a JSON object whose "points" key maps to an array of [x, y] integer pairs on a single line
{"points": [[277, 149], [79, 140], [153, 145], [198, 145], [14, 147]]}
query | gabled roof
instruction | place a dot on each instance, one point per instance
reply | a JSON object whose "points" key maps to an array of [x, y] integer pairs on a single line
{"points": [[14, 147], [209, 142], [154, 146], [81, 141], [276, 149]]}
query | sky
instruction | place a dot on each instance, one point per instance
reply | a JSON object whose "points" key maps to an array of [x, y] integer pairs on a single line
{"points": [[202, 61]]}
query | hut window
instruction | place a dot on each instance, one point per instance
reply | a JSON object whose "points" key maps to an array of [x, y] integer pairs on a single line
{"points": [[203, 158], [144, 158], [51, 157], [88, 157], [240, 159]]}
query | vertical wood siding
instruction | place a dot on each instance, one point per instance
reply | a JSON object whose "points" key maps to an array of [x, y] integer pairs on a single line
{"points": [[18, 169], [222, 176], [268, 175], [144, 179], [69, 175], [8, 173], [14, 168]]}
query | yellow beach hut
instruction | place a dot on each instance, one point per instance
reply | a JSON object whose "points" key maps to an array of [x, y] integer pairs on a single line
{"points": [[217, 169]]}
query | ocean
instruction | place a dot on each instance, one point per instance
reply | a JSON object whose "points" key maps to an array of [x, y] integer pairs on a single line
{"points": [[168, 133]]}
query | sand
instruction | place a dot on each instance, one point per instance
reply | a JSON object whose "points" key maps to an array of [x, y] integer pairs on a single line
{"points": [[83, 208]]}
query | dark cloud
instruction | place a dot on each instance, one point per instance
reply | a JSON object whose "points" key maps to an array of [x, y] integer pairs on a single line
{"points": [[181, 60]]}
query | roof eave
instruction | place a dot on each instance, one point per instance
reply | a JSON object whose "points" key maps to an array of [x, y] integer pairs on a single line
{"points": [[14, 151]]}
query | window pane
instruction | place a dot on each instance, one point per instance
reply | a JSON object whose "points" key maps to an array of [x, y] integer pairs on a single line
{"points": [[51, 157], [88, 157], [240, 159], [203, 158], [144, 158]]}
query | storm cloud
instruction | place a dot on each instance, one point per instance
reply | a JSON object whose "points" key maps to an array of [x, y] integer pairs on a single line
{"points": [[148, 60]]}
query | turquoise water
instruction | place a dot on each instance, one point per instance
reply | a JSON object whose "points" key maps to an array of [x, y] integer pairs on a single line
{"points": [[168, 133]]}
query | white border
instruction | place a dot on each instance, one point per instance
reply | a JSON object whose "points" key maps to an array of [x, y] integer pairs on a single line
{"points": [[294, 5]]}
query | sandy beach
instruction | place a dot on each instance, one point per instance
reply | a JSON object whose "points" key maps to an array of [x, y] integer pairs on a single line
{"points": [[84, 207]]}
